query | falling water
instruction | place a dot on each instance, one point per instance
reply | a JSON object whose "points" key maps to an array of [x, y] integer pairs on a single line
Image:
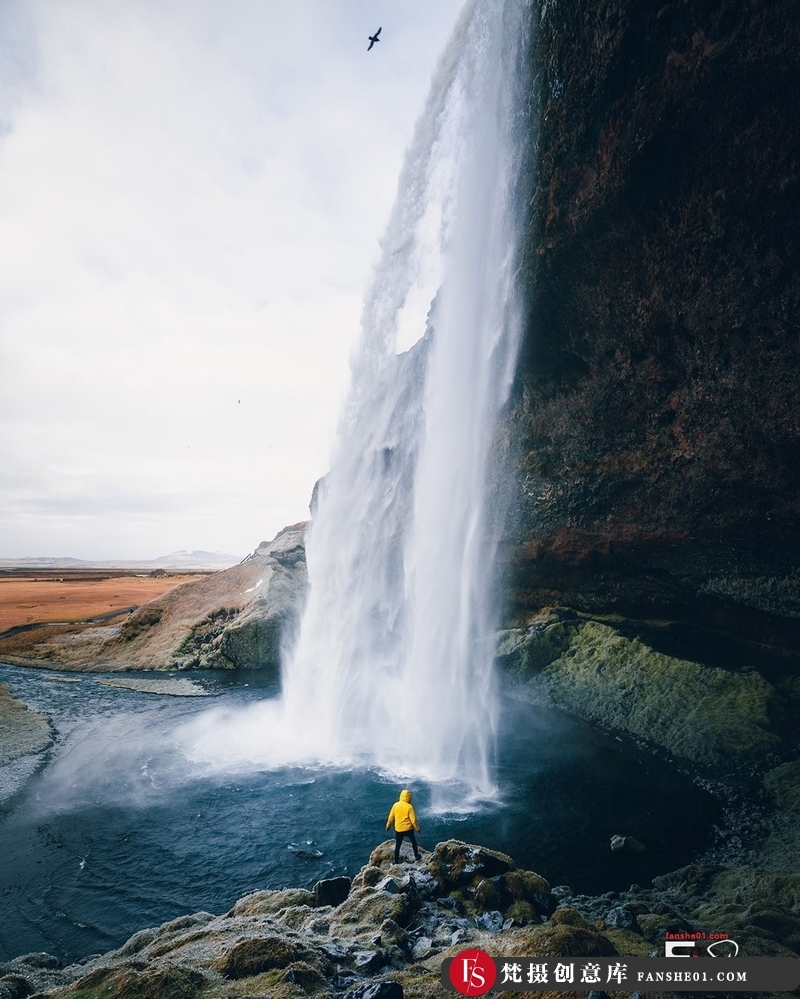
{"points": [[393, 661]]}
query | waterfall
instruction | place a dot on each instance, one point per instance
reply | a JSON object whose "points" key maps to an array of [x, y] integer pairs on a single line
{"points": [[392, 664]]}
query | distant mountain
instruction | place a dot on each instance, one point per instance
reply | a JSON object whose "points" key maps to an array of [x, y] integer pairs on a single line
{"points": [[195, 560]]}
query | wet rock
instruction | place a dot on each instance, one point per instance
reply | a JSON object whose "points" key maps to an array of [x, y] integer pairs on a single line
{"points": [[623, 684], [421, 947], [331, 891], [456, 864], [345, 981], [626, 845], [393, 935], [22, 732], [666, 184], [368, 960], [335, 950], [621, 918], [449, 902], [491, 921], [368, 877], [377, 990], [391, 885], [15, 987], [421, 882]]}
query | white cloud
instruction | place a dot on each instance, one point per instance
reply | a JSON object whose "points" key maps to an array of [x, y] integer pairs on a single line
{"points": [[191, 198]]}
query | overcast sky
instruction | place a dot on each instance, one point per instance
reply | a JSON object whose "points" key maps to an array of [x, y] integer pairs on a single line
{"points": [[192, 194]]}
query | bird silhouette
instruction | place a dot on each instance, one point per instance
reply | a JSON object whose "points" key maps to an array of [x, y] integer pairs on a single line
{"points": [[373, 38]]}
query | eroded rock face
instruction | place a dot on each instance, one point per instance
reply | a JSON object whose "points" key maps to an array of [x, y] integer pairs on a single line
{"points": [[703, 714], [656, 432], [234, 619]]}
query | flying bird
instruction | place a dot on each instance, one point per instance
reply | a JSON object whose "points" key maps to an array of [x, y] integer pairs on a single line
{"points": [[373, 38]]}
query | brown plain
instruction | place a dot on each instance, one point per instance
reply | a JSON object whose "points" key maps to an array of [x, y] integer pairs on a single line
{"points": [[39, 599]]}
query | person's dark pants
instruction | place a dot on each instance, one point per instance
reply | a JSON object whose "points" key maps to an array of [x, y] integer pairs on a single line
{"points": [[398, 839]]}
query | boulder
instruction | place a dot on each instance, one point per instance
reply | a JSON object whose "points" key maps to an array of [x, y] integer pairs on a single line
{"points": [[331, 891], [491, 921], [261, 903], [258, 954], [626, 845], [621, 918], [377, 990], [455, 864]]}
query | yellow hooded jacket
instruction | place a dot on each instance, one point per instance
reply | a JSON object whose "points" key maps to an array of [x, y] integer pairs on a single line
{"points": [[402, 812]]}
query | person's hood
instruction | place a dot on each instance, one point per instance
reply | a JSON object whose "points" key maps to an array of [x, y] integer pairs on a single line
{"points": [[405, 796]]}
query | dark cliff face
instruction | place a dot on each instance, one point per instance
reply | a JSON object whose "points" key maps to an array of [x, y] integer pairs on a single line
{"points": [[657, 421]]}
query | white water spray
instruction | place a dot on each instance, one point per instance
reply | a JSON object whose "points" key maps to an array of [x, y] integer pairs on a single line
{"points": [[393, 663]]}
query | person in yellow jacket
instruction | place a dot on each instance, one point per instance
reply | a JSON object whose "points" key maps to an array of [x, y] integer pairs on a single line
{"points": [[405, 822]]}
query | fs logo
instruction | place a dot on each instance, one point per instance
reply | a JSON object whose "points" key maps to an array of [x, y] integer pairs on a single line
{"points": [[472, 972]]}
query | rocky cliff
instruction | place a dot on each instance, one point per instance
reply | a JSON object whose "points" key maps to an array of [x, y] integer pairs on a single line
{"points": [[656, 429], [234, 619]]}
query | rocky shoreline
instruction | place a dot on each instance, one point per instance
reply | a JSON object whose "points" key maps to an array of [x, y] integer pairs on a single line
{"points": [[384, 934], [24, 736]]}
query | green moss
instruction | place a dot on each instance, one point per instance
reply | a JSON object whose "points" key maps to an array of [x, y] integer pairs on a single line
{"points": [[567, 916], [141, 621], [487, 896], [707, 714], [252, 957], [129, 983], [784, 783], [457, 864], [527, 652], [261, 903], [520, 912], [306, 977], [254, 644], [525, 885], [365, 908], [554, 940]]}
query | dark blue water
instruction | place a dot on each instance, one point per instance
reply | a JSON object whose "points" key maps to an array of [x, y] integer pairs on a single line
{"points": [[118, 831]]}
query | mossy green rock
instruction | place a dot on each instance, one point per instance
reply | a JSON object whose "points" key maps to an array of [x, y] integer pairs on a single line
{"points": [[455, 864], [705, 714], [367, 908], [261, 903], [130, 982], [254, 956]]}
